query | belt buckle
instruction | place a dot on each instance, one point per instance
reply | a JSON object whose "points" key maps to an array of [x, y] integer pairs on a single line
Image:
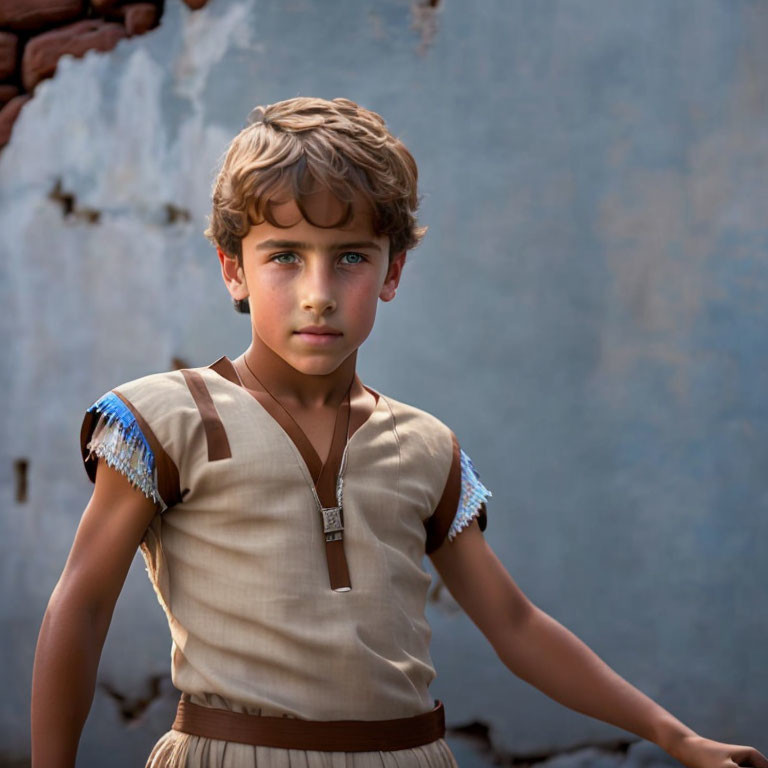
{"points": [[332, 523]]}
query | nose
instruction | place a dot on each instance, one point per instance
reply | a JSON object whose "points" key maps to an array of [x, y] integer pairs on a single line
{"points": [[317, 291]]}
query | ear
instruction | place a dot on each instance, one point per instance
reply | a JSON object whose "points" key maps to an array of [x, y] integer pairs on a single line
{"points": [[392, 279], [234, 277]]}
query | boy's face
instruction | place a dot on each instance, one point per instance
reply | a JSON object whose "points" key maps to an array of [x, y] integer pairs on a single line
{"points": [[299, 274]]}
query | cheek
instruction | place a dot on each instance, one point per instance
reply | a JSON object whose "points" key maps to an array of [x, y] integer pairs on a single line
{"points": [[364, 302], [268, 307]]}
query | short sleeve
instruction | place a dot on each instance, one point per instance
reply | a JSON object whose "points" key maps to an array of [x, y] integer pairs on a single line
{"points": [[472, 501], [463, 499], [111, 432]]}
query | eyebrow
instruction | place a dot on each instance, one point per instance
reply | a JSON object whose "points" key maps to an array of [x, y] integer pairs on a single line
{"points": [[268, 244]]}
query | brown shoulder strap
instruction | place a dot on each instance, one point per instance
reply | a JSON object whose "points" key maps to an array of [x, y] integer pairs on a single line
{"points": [[215, 434]]}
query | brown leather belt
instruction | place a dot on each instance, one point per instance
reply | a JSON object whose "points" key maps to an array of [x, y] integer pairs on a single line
{"points": [[298, 733]]}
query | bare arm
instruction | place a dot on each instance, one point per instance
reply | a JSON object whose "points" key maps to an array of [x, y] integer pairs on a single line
{"points": [[541, 651], [550, 657], [78, 615]]}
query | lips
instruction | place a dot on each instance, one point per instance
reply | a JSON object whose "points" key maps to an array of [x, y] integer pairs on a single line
{"points": [[319, 330], [315, 338]]}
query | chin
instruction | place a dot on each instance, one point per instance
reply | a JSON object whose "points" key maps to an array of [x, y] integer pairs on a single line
{"points": [[316, 367]]}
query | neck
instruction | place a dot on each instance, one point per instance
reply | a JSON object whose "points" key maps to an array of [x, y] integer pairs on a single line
{"points": [[289, 385]]}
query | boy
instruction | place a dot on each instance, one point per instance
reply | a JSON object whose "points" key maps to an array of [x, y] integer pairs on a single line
{"points": [[283, 507]]}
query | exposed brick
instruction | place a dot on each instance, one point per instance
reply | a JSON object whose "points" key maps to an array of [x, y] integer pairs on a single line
{"points": [[8, 115], [37, 14], [139, 17], [42, 53], [7, 92], [100, 6], [9, 50]]}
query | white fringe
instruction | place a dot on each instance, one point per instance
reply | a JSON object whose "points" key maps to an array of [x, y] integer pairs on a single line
{"points": [[127, 455], [473, 495]]}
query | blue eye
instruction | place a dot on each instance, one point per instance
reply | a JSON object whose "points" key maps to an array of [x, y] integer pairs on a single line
{"points": [[278, 255]]}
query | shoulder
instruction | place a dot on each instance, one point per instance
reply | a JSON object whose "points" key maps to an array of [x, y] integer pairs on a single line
{"points": [[463, 495], [406, 409], [138, 427], [414, 423], [152, 386], [149, 402], [137, 392]]}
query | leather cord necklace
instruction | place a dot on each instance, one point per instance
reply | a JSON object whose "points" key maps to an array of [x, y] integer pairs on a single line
{"points": [[332, 517]]}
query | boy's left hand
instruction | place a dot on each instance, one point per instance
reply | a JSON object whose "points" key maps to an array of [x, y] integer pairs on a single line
{"points": [[698, 752]]}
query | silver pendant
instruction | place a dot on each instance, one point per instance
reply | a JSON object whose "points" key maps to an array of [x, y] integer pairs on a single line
{"points": [[332, 523]]}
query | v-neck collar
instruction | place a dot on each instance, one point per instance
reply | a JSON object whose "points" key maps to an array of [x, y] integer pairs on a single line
{"points": [[323, 474]]}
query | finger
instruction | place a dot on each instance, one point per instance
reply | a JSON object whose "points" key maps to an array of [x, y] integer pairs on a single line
{"points": [[749, 756]]}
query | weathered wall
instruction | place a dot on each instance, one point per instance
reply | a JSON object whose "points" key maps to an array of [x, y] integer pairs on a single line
{"points": [[35, 34], [587, 312]]}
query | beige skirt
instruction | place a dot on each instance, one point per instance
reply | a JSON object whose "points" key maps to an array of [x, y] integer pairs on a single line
{"points": [[175, 749]]}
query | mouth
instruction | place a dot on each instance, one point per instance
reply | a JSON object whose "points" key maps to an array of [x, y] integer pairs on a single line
{"points": [[317, 332], [313, 337]]}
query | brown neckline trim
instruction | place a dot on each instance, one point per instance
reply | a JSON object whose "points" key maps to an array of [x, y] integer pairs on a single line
{"points": [[318, 470], [323, 475]]}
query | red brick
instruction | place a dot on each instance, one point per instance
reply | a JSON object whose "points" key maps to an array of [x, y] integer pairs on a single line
{"points": [[37, 14], [9, 51], [42, 53], [7, 92], [100, 6], [139, 17], [8, 115]]}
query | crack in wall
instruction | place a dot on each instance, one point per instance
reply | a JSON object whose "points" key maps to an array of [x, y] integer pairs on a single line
{"points": [[477, 734], [171, 214], [69, 205], [424, 21], [174, 213], [21, 474], [14, 761], [132, 708]]}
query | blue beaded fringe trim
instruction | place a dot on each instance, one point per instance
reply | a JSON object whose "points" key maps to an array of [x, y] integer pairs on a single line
{"points": [[473, 495], [118, 439]]}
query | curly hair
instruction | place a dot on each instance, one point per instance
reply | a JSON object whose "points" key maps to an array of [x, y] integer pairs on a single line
{"points": [[289, 144]]}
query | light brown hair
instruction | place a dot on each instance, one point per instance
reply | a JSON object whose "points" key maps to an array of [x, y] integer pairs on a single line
{"points": [[290, 145]]}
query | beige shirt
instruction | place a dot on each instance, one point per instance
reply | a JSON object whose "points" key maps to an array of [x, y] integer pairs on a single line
{"points": [[237, 554]]}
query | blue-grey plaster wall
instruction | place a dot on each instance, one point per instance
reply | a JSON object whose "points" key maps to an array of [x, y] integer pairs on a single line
{"points": [[587, 312]]}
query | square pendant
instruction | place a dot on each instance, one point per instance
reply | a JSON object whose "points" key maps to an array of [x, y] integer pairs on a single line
{"points": [[332, 524]]}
